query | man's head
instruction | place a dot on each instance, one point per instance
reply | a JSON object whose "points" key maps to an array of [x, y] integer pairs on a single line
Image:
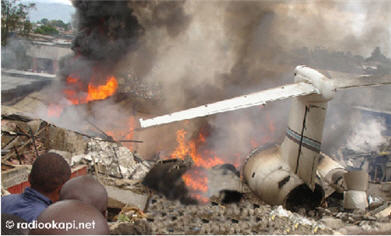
{"points": [[72, 217], [48, 173], [86, 189]]}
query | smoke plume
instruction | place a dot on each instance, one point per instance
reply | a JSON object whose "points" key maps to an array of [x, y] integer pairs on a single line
{"points": [[199, 52], [367, 136]]}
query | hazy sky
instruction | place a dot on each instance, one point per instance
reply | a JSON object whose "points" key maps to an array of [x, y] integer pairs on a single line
{"points": [[68, 2]]}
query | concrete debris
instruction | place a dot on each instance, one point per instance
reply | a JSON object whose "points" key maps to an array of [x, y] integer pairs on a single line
{"points": [[296, 218], [332, 222], [119, 198], [384, 213], [14, 176], [114, 160], [374, 202]]}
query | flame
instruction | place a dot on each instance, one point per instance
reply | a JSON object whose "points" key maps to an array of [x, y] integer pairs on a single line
{"points": [[76, 92], [182, 149], [101, 92], [204, 159], [197, 183]]}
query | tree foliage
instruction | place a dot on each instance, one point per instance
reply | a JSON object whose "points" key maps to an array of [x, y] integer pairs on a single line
{"points": [[46, 29], [55, 23], [51, 27], [14, 19]]}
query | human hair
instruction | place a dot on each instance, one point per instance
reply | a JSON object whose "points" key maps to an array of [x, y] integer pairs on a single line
{"points": [[49, 171]]}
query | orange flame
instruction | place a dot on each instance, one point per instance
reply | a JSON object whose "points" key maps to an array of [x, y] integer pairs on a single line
{"points": [[76, 93], [197, 183], [101, 92], [194, 180], [205, 159]]}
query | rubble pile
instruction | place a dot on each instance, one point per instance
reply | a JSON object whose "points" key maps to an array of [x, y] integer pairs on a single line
{"points": [[24, 138], [148, 197], [113, 159], [249, 215]]}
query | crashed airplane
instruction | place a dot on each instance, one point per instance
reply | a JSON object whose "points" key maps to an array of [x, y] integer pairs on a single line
{"points": [[287, 174]]}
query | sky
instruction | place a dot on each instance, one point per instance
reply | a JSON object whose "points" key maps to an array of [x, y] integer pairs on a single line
{"points": [[51, 9], [68, 2]]}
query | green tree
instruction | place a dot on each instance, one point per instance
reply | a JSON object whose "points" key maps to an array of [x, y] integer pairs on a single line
{"points": [[14, 19], [44, 21], [46, 29]]}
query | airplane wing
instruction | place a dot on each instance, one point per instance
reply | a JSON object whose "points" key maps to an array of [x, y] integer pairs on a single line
{"points": [[344, 80], [253, 99]]}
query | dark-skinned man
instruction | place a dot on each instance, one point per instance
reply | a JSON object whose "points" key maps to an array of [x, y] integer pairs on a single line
{"points": [[48, 174]]}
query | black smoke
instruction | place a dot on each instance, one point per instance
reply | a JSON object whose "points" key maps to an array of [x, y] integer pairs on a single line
{"points": [[105, 32]]}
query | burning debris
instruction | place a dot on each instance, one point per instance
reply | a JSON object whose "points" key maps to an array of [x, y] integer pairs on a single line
{"points": [[230, 206]]}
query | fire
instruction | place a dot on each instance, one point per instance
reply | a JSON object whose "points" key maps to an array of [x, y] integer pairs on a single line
{"points": [[76, 92], [182, 149], [202, 158], [101, 92], [206, 158], [197, 183]]}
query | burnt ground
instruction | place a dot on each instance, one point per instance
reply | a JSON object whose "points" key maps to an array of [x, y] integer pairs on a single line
{"points": [[249, 215]]}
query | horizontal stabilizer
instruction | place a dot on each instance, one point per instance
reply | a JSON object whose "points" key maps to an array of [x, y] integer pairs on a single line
{"points": [[254, 99]]}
